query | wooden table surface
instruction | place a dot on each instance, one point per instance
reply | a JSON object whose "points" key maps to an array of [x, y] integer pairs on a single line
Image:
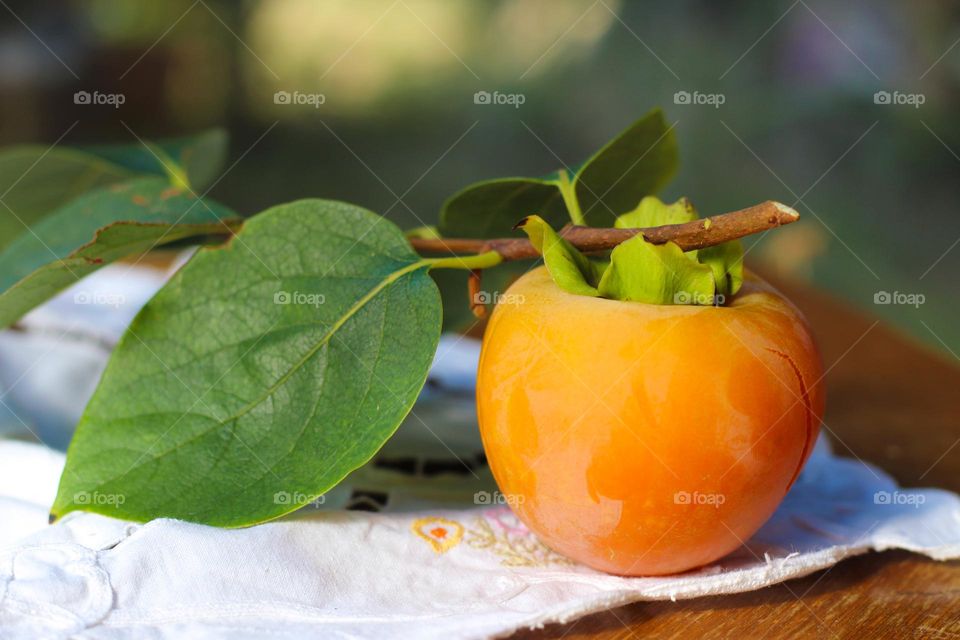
{"points": [[892, 402]]}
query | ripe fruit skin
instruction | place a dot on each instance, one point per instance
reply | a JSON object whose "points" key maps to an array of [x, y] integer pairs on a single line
{"points": [[646, 439]]}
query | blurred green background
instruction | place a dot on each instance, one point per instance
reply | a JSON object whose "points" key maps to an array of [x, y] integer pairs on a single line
{"points": [[399, 130]]}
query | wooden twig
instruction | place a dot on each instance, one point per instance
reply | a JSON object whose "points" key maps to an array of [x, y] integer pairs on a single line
{"points": [[478, 305], [688, 236]]}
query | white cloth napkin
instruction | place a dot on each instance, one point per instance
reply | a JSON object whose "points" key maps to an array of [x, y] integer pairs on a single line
{"points": [[429, 564], [436, 573]]}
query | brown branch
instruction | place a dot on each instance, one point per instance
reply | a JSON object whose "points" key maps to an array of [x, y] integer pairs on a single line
{"points": [[477, 303], [688, 236]]}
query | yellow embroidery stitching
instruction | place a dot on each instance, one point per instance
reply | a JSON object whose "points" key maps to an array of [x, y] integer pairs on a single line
{"points": [[442, 534], [516, 547]]}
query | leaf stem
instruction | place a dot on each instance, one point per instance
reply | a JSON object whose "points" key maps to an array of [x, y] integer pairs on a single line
{"points": [[569, 192], [176, 173], [483, 260], [698, 234]]}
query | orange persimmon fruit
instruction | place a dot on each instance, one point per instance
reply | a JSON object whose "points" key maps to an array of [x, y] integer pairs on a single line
{"points": [[644, 439]]}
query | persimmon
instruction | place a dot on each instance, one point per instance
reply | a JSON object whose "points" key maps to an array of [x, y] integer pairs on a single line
{"points": [[646, 439]]}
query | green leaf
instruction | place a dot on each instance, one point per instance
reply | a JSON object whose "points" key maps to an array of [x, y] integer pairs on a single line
{"points": [[656, 274], [109, 244], [95, 229], [653, 212], [726, 262], [571, 270], [261, 374], [638, 162], [201, 156], [35, 180], [491, 209]]}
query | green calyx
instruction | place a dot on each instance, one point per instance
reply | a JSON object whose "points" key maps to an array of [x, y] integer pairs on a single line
{"points": [[569, 268], [638, 270]]}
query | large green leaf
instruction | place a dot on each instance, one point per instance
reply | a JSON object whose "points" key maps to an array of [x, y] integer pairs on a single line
{"points": [[490, 209], [200, 156], [638, 162], [85, 234], [261, 374], [109, 244], [35, 180]]}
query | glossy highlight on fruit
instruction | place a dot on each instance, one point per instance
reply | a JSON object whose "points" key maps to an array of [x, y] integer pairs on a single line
{"points": [[645, 439]]}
